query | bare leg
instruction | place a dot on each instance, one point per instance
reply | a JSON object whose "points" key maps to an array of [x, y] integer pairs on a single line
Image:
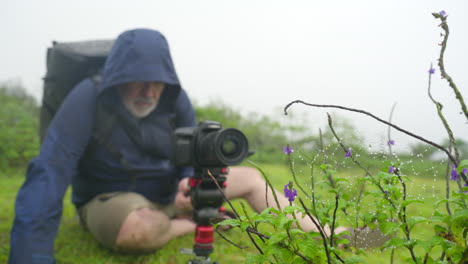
{"points": [[247, 183], [146, 229]]}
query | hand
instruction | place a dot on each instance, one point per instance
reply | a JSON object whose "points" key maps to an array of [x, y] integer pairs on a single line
{"points": [[182, 199]]}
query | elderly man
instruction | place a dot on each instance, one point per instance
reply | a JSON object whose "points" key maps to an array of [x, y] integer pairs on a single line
{"points": [[125, 189]]}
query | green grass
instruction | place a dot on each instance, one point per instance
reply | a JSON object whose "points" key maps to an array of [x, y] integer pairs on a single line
{"points": [[73, 245]]}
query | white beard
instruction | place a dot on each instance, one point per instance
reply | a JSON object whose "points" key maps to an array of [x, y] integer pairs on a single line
{"points": [[140, 111]]}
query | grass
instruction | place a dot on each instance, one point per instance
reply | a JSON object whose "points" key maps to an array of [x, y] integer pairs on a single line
{"points": [[73, 245]]}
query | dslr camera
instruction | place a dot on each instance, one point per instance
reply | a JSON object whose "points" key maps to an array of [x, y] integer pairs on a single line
{"points": [[209, 149], [209, 145]]}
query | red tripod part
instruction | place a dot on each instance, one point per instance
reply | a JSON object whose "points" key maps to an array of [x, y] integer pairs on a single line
{"points": [[204, 240]]}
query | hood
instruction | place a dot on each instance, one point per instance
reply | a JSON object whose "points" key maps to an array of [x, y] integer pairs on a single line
{"points": [[140, 55]]}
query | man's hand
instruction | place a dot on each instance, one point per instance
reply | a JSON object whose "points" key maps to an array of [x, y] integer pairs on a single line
{"points": [[182, 199]]}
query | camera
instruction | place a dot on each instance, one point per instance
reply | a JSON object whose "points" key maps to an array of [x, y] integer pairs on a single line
{"points": [[209, 149], [209, 145]]}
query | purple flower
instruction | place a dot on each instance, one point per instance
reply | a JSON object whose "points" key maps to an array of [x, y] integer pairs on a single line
{"points": [[288, 193], [288, 150], [464, 171], [454, 173], [431, 70], [391, 169], [443, 13], [348, 153], [391, 142]]}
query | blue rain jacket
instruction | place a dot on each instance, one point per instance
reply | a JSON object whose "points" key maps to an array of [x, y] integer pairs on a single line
{"points": [[137, 55]]}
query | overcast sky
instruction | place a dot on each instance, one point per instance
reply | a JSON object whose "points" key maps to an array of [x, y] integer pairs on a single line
{"points": [[258, 55]]}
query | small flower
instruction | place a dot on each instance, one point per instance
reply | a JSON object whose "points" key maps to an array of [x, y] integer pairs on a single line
{"points": [[290, 192], [391, 169], [454, 173], [288, 150], [348, 153], [391, 142], [464, 171], [431, 70], [443, 13]]}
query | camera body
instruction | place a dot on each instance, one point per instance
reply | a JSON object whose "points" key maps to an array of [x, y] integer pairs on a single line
{"points": [[209, 145]]}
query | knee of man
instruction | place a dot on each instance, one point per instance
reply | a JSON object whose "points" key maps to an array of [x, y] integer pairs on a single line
{"points": [[143, 230], [246, 173]]}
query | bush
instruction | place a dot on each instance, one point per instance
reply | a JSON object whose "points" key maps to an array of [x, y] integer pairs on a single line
{"points": [[19, 121]]}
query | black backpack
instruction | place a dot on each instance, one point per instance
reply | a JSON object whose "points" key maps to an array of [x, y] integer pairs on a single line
{"points": [[68, 63]]}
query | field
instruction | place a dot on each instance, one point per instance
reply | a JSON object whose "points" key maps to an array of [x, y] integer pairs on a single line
{"points": [[73, 245]]}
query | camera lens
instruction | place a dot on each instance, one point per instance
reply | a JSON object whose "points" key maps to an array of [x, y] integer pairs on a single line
{"points": [[224, 147], [228, 147]]}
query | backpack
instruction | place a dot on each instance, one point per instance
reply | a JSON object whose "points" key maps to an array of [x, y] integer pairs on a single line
{"points": [[68, 63]]}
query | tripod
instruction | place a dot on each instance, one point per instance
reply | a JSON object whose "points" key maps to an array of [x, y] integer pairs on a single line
{"points": [[206, 202]]}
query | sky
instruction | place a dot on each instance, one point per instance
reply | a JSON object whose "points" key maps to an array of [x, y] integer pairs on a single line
{"points": [[258, 55]]}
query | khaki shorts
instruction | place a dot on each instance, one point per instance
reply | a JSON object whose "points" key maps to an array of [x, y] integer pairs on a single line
{"points": [[104, 215]]}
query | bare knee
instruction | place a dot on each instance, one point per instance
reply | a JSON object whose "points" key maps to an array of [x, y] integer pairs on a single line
{"points": [[143, 230], [243, 181]]}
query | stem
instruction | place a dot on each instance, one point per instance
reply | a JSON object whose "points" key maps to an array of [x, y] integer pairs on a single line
{"points": [[389, 130], [268, 182], [293, 173], [403, 217], [439, 107], [337, 197], [443, 73], [228, 240], [319, 227], [447, 187]]}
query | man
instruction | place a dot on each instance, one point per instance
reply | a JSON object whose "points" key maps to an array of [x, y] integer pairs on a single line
{"points": [[125, 189]]}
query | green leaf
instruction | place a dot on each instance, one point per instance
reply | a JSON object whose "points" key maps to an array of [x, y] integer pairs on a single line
{"points": [[231, 222], [388, 228], [295, 232], [244, 226], [461, 214], [436, 204], [256, 259], [408, 202], [277, 237], [463, 164], [428, 245], [293, 209], [440, 229], [298, 260], [354, 260], [309, 247], [412, 221], [395, 242]]}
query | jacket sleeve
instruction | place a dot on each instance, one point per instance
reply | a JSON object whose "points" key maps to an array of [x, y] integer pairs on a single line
{"points": [[38, 205], [185, 117]]}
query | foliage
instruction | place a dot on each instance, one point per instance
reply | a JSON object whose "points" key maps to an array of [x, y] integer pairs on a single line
{"points": [[19, 123], [377, 199], [74, 245]]}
